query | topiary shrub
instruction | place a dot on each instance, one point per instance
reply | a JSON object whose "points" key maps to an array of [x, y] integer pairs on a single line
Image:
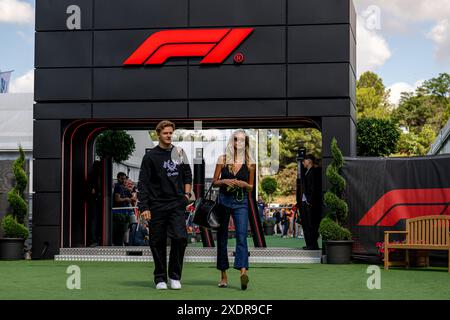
{"points": [[13, 224], [269, 186], [14, 229], [115, 144], [332, 227]]}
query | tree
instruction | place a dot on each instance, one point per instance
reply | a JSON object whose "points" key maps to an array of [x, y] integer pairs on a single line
{"points": [[414, 110], [412, 144], [289, 144], [287, 179], [13, 224], [334, 225], [377, 137], [115, 144], [372, 97], [269, 186]]}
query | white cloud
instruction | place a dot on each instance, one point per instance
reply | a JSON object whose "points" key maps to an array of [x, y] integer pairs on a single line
{"points": [[24, 83], [398, 88], [440, 34], [408, 11], [372, 50], [405, 16], [16, 11]]}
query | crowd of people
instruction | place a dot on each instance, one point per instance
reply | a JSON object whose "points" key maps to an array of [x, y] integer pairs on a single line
{"points": [[287, 221]]}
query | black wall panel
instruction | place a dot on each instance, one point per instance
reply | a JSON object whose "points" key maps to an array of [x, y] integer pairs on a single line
{"points": [[343, 129], [47, 207], [62, 110], [52, 14], [140, 110], [323, 43], [237, 109], [124, 14], [318, 11], [46, 241], [319, 107], [140, 83], [47, 139], [63, 49], [47, 175], [62, 84], [236, 12], [237, 82], [319, 80]]}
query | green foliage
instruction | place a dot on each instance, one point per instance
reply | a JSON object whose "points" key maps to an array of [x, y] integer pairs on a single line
{"points": [[287, 180], [13, 229], [330, 230], [269, 222], [372, 97], [412, 144], [269, 185], [311, 138], [115, 144], [414, 110], [371, 80], [377, 137], [16, 194], [439, 86], [332, 226]]}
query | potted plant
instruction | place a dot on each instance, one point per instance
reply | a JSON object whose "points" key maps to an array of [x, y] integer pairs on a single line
{"points": [[269, 186], [13, 224], [269, 227], [333, 227]]}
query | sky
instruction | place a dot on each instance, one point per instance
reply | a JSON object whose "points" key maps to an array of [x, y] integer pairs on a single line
{"points": [[404, 41]]}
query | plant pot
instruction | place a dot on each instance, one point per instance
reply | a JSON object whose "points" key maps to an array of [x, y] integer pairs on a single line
{"points": [[269, 229], [339, 252], [11, 248]]}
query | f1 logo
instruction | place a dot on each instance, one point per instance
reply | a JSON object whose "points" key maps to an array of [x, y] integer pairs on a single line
{"points": [[215, 45]]}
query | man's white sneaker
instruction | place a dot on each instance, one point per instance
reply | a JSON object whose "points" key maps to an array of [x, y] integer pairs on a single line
{"points": [[175, 284], [161, 286]]}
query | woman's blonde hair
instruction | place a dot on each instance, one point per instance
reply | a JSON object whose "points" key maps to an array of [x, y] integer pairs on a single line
{"points": [[231, 152]]}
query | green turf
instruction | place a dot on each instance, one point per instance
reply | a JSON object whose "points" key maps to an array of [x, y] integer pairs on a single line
{"points": [[271, 242], [115, 280]]}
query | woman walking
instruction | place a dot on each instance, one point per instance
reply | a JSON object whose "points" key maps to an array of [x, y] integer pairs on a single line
{"points": [[234, 175]]}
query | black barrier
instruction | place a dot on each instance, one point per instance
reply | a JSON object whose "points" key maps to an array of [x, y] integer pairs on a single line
{"points": [[383, 192]]}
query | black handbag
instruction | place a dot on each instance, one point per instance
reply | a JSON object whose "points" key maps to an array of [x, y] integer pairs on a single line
{"points": [[206, 212]]}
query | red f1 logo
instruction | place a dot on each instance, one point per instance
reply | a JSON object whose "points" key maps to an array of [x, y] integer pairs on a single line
{"points": [[215, 45], [400, 204]]}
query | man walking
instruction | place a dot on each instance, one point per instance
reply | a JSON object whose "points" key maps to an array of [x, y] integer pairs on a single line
{"points": [[311, 213], [164, 188]]}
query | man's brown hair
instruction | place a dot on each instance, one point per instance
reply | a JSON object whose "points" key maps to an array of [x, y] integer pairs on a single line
{"points": [[163, 124]]}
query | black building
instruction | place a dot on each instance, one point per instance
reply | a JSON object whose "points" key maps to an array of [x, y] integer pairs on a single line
{"points": [[298, 70]]}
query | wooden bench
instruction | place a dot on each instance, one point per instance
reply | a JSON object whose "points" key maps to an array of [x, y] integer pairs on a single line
{"points": [[422, 233]]}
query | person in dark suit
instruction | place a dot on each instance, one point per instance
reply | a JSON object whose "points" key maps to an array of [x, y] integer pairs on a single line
{"points": [[311, 213]]}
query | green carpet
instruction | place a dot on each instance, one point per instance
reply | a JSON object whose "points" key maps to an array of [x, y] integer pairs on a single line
{"points": [[101, 280]]}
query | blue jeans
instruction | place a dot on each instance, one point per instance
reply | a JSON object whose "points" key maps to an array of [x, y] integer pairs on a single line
{"points": [[239, 211]]}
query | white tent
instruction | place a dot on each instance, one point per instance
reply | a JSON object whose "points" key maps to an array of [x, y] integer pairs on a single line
{"points": [[16, 122]]}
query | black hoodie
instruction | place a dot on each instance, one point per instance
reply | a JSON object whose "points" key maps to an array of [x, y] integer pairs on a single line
{"points": [[162, 177]]}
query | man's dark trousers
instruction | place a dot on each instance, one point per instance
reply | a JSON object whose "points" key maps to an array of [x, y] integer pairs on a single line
{"points": [[310, 224], [170, 224]]}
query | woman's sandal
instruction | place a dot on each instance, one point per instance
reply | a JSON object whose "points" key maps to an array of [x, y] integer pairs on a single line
{"points": [[222, 284], [244, 281]]}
